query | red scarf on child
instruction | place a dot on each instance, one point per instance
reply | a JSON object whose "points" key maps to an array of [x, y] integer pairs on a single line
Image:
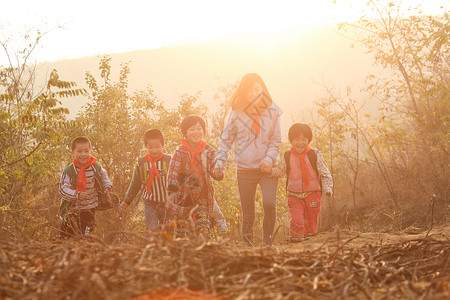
{"points": [[153, 171], [195, 154], [81, 185], [303, 167]]}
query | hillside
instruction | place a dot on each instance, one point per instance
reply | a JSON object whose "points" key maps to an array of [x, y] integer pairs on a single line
{"points": [[293, 63]]}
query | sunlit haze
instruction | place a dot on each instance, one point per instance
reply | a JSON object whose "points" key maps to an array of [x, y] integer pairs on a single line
{"points": [[100, 27]]}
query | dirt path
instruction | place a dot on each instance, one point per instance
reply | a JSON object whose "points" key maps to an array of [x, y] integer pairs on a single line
{"points": [[356, 239]]}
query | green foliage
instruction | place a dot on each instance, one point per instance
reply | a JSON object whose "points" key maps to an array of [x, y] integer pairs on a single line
{"points": [[30, 125], [115, 122]]}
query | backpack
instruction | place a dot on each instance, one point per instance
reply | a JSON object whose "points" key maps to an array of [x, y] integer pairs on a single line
{"points": [[312, 156]]}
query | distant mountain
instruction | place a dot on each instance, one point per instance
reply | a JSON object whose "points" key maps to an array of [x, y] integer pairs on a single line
{"points": [[293, 63]]}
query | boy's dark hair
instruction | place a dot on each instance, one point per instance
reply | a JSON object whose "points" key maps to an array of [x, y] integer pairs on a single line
{"points": [[80, 140], [153, 134], [190, 121], [300, 128]]}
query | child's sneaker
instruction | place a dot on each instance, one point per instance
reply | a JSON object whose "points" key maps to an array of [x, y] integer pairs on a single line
{"points": [[295, 239], [267, 245]]}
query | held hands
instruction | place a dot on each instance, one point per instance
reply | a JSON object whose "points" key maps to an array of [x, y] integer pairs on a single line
{"points": [[266, 166], [171, 198], [218, 170]]}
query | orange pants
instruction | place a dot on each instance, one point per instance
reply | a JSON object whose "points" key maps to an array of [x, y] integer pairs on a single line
{"points": [[304, 214]]}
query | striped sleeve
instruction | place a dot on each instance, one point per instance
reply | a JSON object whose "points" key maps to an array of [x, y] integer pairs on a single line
{"points": [[134, 187], [273, 149], [327, 181], [65, 188]]}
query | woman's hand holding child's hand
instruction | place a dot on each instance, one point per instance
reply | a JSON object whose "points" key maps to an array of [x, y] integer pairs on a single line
{"points": [[265, 166]]}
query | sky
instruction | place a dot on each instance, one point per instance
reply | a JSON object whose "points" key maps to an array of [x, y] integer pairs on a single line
{"points": [[91, 27]]}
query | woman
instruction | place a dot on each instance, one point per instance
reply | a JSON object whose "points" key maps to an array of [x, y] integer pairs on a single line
{"points": [[253, 130]]}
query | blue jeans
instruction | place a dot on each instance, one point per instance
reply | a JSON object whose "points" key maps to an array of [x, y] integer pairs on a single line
{"points": [[155, 213], [248, 179]]}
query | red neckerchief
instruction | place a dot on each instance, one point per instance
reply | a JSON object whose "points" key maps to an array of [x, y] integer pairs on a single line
{"points": [[258, 107], [81, 185], [303, 166], [195, 154], [153, 171]]}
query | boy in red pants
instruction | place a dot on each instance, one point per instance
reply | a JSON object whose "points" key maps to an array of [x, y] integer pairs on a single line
{"points": [[307, 177]]}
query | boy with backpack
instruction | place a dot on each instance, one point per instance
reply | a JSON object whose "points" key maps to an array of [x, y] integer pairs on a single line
{"points": [[81, 184], [150, 174], [307, 177]]}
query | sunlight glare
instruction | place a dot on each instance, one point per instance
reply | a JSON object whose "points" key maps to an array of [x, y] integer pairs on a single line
{"points": [[105, 27]]}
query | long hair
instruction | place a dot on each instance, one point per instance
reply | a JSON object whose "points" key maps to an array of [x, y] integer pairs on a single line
{"points": [[240, 101]]}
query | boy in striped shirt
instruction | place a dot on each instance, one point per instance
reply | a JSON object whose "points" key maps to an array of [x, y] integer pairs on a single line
{"points": [[150, 176], [80, 184]]}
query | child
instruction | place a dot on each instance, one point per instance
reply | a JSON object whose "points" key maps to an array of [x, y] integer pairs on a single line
{"points": [[305, 168], [150, 174], [189, 177], [253, 130], [79, 186]]}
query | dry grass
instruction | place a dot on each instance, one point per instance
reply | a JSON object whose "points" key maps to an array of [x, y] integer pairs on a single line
{"points": [[332, 265]]}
